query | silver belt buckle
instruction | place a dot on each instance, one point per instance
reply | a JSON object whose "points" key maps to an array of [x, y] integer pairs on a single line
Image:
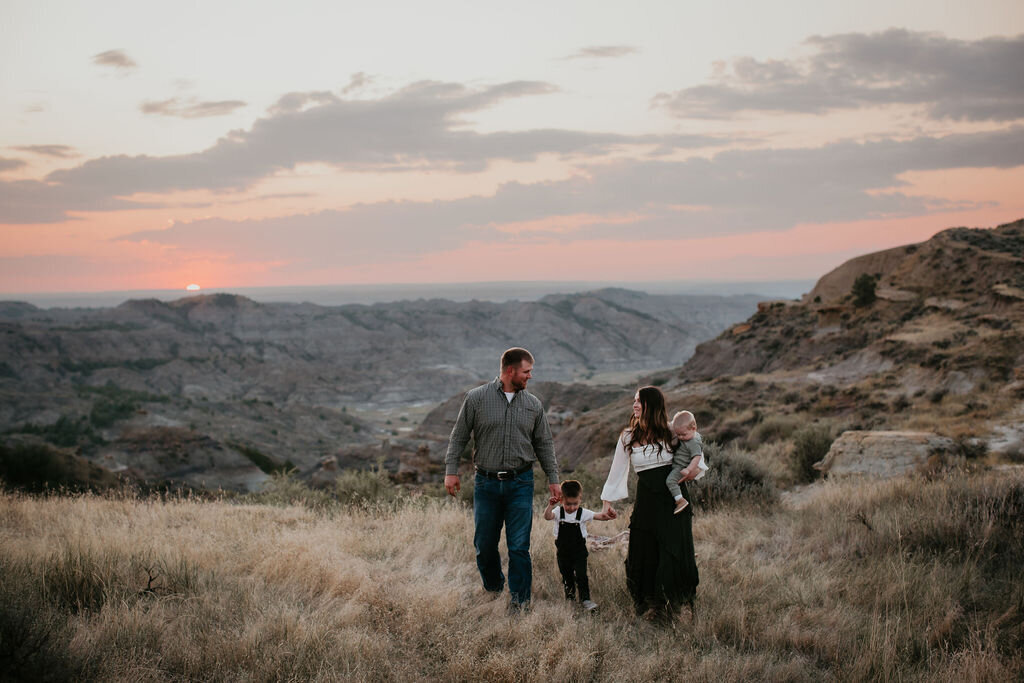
{"points": [[505, 475]]}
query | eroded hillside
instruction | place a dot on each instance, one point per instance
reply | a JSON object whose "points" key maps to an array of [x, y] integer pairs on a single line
{"points": [[221, 390], [939, 348]]}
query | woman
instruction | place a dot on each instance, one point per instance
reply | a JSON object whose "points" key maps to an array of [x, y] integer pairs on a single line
{"points": [[661, 571]]}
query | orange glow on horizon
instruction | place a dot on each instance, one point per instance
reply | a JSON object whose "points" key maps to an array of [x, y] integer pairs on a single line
{"points": [[84, 254]]}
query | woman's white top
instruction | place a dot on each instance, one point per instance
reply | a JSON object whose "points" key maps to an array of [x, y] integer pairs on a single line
{"points": [[643, 458]]}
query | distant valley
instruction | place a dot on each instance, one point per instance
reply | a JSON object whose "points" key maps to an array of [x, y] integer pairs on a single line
{"points": [[217, 390]]}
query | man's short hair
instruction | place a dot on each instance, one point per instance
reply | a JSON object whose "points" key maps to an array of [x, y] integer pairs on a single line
{"points": [[515, 356], [571, 488]]}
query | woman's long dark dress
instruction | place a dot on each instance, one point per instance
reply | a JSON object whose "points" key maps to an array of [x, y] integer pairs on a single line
{"points": [[661, 569]]}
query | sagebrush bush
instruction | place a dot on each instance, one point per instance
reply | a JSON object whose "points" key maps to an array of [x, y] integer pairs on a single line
{"points": [[358, 487], [592, 481], [770, 429], [284, 488], [351, 488], [971, 448], [106, 411], [66, 432], [810, 444], [733, 478]]}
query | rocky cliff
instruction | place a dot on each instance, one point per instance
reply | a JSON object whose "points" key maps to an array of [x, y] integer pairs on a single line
{"points": [[949, 308]]}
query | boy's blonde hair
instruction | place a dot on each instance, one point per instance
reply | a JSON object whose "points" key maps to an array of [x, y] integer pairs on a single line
{"points": [[683, 419]]}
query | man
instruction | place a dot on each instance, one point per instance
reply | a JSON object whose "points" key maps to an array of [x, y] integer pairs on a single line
{"points": [[511, 433]]}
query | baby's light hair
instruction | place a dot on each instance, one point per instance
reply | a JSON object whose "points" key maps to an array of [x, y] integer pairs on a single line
{"points": [[683, 419]]}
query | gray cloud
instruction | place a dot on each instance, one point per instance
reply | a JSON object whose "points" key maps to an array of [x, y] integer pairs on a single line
{"points": [[115, 58], [32, 201], [418, 127], [980, 80], [10, 164], [297, 101], [603, 52], [190, 109], [58, 151], [358, 81], [738, 191]]}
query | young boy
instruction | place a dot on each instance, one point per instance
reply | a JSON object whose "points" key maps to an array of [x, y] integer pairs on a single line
{"points": [[684, 426], [571, 540]]}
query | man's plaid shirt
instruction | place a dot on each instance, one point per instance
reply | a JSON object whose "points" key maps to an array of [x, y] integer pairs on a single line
{"points": [[508, 434]]}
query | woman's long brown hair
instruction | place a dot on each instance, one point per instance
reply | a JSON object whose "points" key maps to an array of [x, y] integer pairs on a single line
{"points": [[651, 428]]}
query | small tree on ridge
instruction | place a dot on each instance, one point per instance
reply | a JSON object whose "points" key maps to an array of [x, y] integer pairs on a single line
{"points": [[864, 290]]}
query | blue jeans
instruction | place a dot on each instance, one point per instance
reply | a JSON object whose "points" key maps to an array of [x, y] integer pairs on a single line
{"points": [[508, 503]]}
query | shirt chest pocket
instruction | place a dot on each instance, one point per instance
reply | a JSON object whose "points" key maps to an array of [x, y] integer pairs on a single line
{"points": [[525, 417]]}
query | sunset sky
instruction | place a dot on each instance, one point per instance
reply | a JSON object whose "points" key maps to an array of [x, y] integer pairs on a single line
{"points": [[150, 145]]}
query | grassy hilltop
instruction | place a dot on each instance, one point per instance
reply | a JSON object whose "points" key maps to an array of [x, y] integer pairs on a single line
{"points": [[915, 579]]}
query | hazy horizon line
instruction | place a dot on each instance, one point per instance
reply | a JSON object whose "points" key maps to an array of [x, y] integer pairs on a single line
{"points": [[493, 290]]}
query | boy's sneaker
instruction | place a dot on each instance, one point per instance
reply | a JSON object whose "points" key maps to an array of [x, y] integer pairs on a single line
{"points": [[680, 506], [589, 605]]}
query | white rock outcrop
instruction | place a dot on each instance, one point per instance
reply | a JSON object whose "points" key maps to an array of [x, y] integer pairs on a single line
{"points": [[881, 454]]}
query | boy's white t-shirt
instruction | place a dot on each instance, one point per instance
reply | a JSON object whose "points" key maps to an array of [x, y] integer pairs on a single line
{"points": [[571, 519]]}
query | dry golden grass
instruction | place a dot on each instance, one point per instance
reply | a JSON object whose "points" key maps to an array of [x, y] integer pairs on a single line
{"points": [[907, 580]]}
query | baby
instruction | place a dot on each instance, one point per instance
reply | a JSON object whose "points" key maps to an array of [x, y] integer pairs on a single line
{"points": [[571, 541], [684, 426]]}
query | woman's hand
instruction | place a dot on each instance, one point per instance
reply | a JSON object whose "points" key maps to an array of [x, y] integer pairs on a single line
{"points": [[609, 510]]}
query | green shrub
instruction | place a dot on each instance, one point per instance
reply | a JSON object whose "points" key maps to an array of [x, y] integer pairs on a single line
{"points": [[284, 489], [65, 432], [359, 487], [734, 478], [772, 428], [105, 412], [591, 481], [864, 290], [810, 445], [351, 488], [970, 448]]}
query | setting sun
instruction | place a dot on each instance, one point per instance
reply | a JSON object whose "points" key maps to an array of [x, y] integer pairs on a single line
{"points": [[193, 288]]}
